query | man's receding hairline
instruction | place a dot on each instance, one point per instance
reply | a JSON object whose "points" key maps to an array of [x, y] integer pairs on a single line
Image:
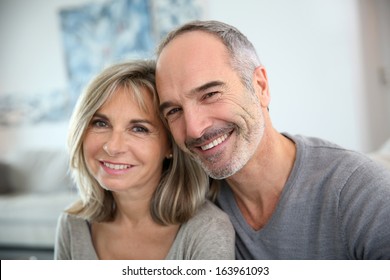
{"points": [[183, 33]]}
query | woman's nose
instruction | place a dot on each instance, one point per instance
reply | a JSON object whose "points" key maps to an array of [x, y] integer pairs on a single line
{"points": [[115, 145]]}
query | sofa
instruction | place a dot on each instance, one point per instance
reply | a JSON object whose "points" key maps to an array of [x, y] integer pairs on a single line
{"points": [[382, 155], [35, 187]]}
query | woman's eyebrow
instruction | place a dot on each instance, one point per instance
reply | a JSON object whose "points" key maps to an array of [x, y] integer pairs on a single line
{"points": [[100, 115], [141, 121]]}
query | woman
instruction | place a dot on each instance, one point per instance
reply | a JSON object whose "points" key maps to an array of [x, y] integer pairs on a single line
{"points": [[141, 197]]}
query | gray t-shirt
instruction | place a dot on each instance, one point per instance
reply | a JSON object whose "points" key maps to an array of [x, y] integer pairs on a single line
{"points": [[335, 205], [209, 235]]}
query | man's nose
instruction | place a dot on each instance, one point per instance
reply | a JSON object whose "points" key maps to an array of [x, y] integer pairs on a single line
{"points": [[196, 122]]}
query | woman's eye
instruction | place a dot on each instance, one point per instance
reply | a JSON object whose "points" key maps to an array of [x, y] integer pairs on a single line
{"points": [[99, 123], [140, 129]]}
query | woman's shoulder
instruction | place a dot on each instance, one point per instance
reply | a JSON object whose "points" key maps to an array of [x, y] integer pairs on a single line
{"points": [[207, 235], [74, 240], [72, 221], [210, 213]]}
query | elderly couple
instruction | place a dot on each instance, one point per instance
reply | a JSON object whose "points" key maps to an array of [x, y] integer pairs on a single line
{"points": [[178, 159]]}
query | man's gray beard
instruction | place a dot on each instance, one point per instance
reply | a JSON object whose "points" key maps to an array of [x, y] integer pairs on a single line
{"points": [[220, 173], [239, 159]]}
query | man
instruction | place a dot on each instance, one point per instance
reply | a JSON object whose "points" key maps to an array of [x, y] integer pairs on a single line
{"points": [[288, 197]]}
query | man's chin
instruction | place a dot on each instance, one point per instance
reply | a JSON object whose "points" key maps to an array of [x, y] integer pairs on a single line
{"points": [[216, 172], [219, 175]]}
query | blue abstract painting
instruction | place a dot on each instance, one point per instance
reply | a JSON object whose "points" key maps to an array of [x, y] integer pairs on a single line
{"points": [[95, 35]]}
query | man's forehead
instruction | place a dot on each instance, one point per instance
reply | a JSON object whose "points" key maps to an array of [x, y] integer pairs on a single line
{"points": [[193, 41], [190, 53], [190, 61]]}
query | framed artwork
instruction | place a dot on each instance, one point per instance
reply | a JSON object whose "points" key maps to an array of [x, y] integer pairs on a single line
{"points": [[95, 35]]}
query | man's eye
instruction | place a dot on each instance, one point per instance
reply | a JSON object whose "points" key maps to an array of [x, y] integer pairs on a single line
{"points": [[210, 95], [171, 112]]}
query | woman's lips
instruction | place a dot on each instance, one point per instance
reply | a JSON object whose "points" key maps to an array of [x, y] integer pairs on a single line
{"points": [[116, 166]]}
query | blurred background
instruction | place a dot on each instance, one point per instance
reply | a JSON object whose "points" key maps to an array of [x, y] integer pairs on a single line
{"points": [[328, 64], [327, 60]]}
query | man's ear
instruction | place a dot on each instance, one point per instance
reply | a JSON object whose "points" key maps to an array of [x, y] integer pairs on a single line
{"points": [[260, 81]]}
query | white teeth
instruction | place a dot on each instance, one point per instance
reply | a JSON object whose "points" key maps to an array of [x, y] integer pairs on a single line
{"points": [[215, 142], [116, 166]]}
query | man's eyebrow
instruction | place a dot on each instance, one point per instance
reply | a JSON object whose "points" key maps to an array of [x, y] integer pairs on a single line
{"points": [[206, 86], [201, 88], [165, 105]]}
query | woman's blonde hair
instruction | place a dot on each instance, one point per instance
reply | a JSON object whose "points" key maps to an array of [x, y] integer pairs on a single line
{"points": [[183, 185]]}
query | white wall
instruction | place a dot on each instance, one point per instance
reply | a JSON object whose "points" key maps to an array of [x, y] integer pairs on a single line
{"points": [[31, 56], [375, 24], [312, 49]]}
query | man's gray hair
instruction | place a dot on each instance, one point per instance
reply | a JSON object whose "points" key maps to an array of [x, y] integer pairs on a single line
{"points": [[244, 58]]}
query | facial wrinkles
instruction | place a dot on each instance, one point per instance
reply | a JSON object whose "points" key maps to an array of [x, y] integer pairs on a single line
{"points": [[213, 133], [252, 135], [243, 151], [247, 124], [249, 133]]}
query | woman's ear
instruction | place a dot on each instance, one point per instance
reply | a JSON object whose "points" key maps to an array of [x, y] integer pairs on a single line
{"points": [[169, 156]]}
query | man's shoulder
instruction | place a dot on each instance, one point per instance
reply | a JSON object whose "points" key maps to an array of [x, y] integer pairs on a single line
{"points": [[315, 146], [333, 160], [313, 142]]}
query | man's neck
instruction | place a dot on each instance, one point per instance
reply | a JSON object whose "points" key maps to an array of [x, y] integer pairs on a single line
{"points": [[258, 186]]}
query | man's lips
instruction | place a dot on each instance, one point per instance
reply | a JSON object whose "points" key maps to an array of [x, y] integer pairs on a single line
{"points": [[215, 142], [210, 139]]}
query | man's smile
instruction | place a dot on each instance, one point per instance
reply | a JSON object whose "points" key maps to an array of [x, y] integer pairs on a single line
{"points": [[214, 143]]}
